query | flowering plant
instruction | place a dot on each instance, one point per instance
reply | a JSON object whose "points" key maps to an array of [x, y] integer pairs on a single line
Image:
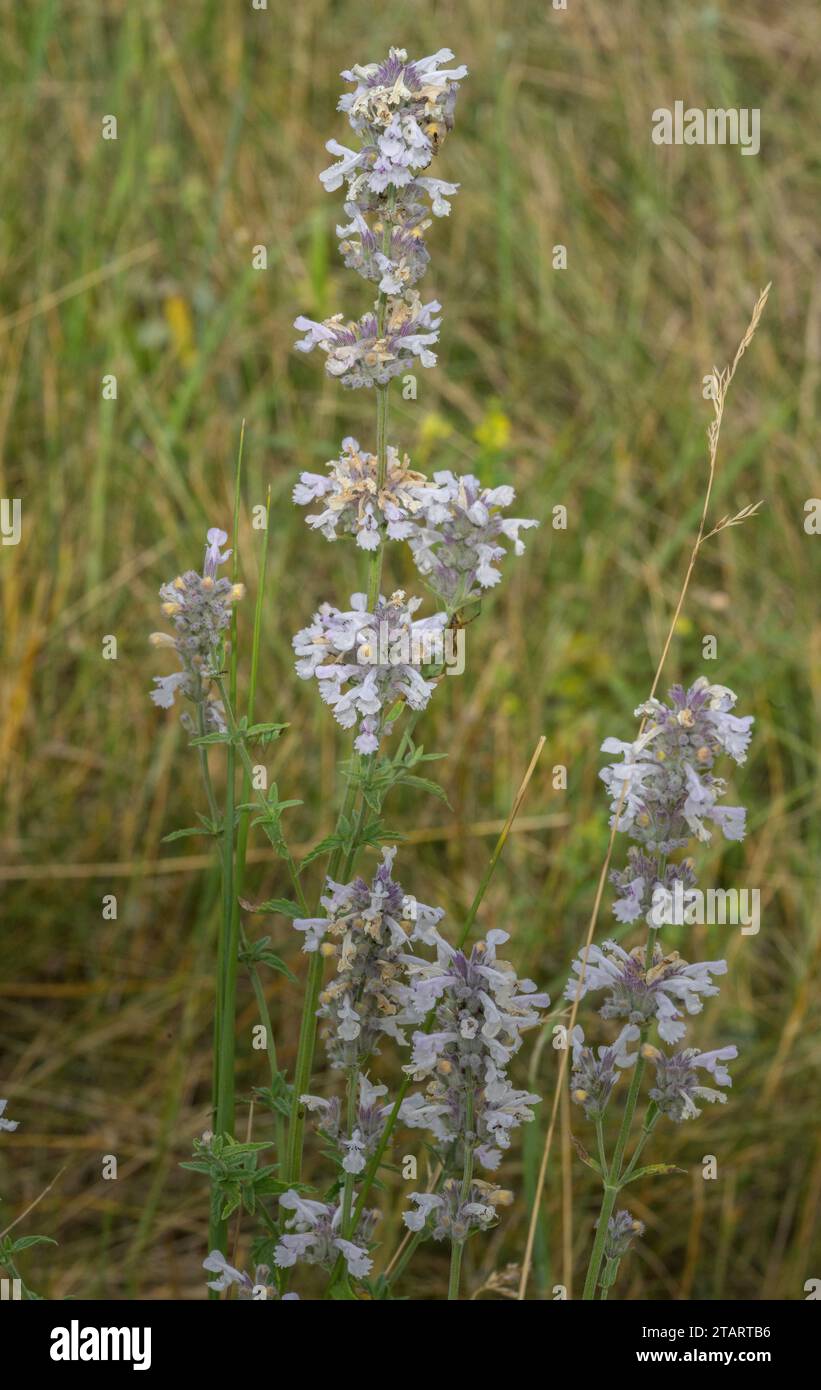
{"points": [[381, 972]]}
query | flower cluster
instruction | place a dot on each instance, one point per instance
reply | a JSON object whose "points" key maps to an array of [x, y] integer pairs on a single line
{"points": [[642, 992], [259, 1287], [353, 502], [456, 546], [662, 793], [400, 112], [370, 1123], [446, 1215], [481, 1010], [199, 606], [369, 927], [312, 1236], [366, 686], [365, 352], [592, 1078], [665, 783], [677, 1085]]}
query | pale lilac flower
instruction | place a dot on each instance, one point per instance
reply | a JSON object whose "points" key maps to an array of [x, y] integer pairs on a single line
{"points": [[352, 502], [447, 1217], [401, 111], [371, 1117], [360, 354], [458, 542], [641, 995], [395, 269], [216, 1263], [592, 1078], [622, 1230], [386, 651], [312, 1236], [640, 887], [677, 1085], [481, 1011], [199, 606], [670, 793], [367, 929]]}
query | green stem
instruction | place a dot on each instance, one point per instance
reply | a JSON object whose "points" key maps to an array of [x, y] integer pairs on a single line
{"points": [[649, 1125], [304, 1064], [600, 1140], [347, 1196], [458, 1246], [612, 1183], [608, 1202]]}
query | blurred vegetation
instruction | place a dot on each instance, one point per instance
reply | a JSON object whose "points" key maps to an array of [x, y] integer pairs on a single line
{"points": [[584, 386]]}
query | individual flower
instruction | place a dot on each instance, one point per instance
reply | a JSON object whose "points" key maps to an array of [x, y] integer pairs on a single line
{"points": [[367, 929], [312, 1236], [6, 1124], [458, 541], [481, 1010], [353, 503], [664, 791], [386, 651], [677, 1085], [592, 1078], [371, 1118], [643, 995], [446, 1216], [364, 353], [199, 606], [227, 1275]]}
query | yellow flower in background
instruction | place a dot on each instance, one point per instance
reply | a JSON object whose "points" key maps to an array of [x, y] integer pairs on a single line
{"points": [[433, 430], [177, 313], [493, 431]]}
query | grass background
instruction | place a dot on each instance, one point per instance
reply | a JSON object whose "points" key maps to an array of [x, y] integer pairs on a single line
{"points": [[582, 386]]}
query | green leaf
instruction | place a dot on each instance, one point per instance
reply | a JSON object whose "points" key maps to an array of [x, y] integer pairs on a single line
{"points": [[331, 842], [191, 830], [275, 963], [205, 740], [425, 784], [652, 1170], [283, 906], [26, 1242], [263, 734]]}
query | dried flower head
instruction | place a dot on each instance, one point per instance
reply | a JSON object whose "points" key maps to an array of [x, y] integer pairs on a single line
{"points": [[365, 352], [355, 504]]}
